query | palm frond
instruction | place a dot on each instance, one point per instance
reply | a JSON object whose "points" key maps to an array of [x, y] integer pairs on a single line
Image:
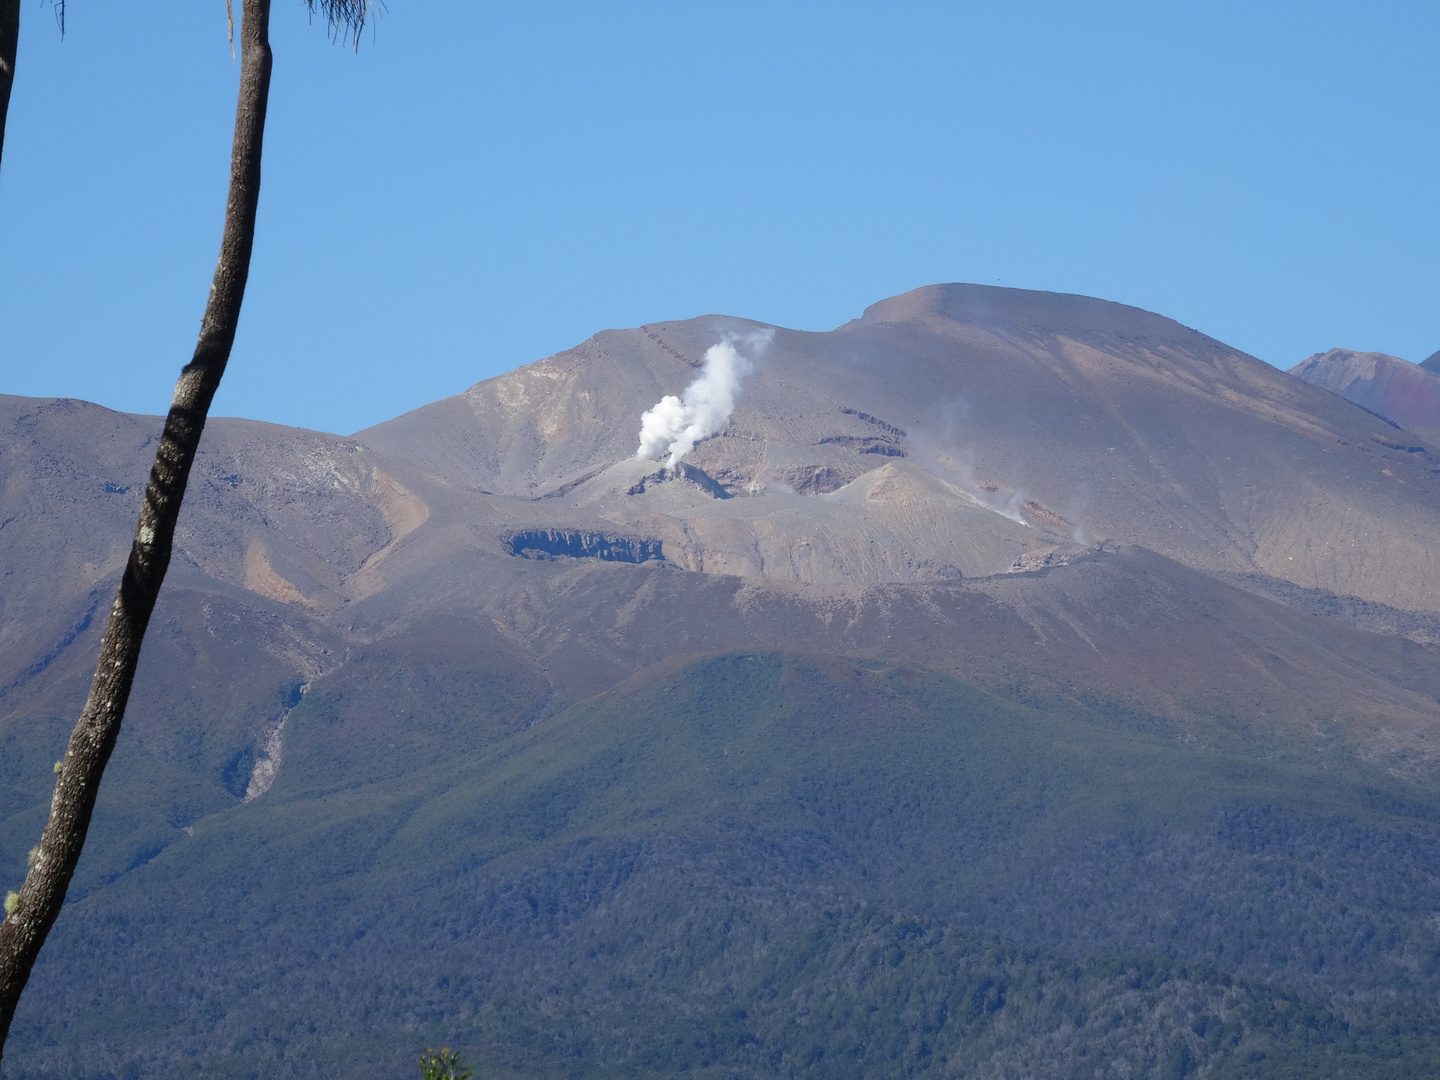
{"points": [[347, 18]]}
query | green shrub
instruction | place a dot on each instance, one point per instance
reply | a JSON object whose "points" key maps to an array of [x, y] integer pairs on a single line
{"points": [[443, 1064]]}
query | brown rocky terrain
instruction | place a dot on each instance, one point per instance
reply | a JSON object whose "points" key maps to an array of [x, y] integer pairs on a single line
{"points": [[1404, 393]]}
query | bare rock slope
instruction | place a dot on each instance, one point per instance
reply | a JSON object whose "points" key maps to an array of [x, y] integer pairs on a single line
{"points": [[1070, 418], [1404, 393]]}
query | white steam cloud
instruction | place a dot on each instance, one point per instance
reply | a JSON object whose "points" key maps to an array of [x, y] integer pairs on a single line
{"points": [[675, 424]]}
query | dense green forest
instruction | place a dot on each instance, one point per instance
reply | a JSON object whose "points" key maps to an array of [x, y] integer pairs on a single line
{"points": [[747, 864]]}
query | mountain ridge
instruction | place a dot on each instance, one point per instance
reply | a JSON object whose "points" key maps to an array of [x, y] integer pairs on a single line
{"points": [[1406, 394]]}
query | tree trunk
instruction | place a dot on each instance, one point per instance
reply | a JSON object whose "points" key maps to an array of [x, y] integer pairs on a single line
{"points": [[9, 40], [33, 912]]}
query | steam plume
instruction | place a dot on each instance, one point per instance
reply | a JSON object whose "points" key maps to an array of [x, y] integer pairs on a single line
{"points": [[675, 424]]}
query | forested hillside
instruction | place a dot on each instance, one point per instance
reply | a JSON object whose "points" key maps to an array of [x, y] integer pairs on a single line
{"points": [[765, 862]]}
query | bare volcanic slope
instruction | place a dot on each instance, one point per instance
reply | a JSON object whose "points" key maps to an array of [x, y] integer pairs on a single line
{"points": [[1404, 393], [1071, 419], [956, 477], [944, 479], [298, 517]]}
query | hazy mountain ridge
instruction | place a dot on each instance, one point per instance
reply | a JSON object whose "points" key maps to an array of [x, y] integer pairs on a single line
{"points": [[1406, 394]]}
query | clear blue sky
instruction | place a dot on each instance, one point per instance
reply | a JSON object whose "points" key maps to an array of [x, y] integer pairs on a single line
{"points": [[486, 184]]}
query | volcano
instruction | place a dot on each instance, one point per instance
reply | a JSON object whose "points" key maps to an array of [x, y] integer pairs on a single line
{"points": [[991, 625], [1406, 394]]}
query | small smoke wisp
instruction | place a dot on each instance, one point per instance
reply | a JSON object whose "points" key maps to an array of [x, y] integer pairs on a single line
{"points": [[1079, 504], [675, 424], [1014, 504]]}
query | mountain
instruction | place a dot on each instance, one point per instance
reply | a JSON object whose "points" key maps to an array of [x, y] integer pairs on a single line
{"points": [[1406, 394], [1088, 419], [1016, 684]]}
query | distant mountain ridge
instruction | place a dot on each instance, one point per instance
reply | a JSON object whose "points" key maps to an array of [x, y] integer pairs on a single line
{"points": [[1404, 393]]}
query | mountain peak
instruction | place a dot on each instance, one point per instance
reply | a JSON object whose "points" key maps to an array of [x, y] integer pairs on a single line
{"points": [[991, 306], [1404, 393]]}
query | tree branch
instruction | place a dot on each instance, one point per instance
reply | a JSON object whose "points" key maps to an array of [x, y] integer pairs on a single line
{"points": [[347, 18]]}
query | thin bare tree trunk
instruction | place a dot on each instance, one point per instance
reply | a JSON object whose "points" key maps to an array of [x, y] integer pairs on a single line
{"points": [[9, 41], [23, 931]]}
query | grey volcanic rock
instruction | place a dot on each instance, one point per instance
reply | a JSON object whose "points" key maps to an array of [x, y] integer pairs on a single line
{"points": [[959, 456], [295, 516], [1075, 419], [1404, 393]]}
